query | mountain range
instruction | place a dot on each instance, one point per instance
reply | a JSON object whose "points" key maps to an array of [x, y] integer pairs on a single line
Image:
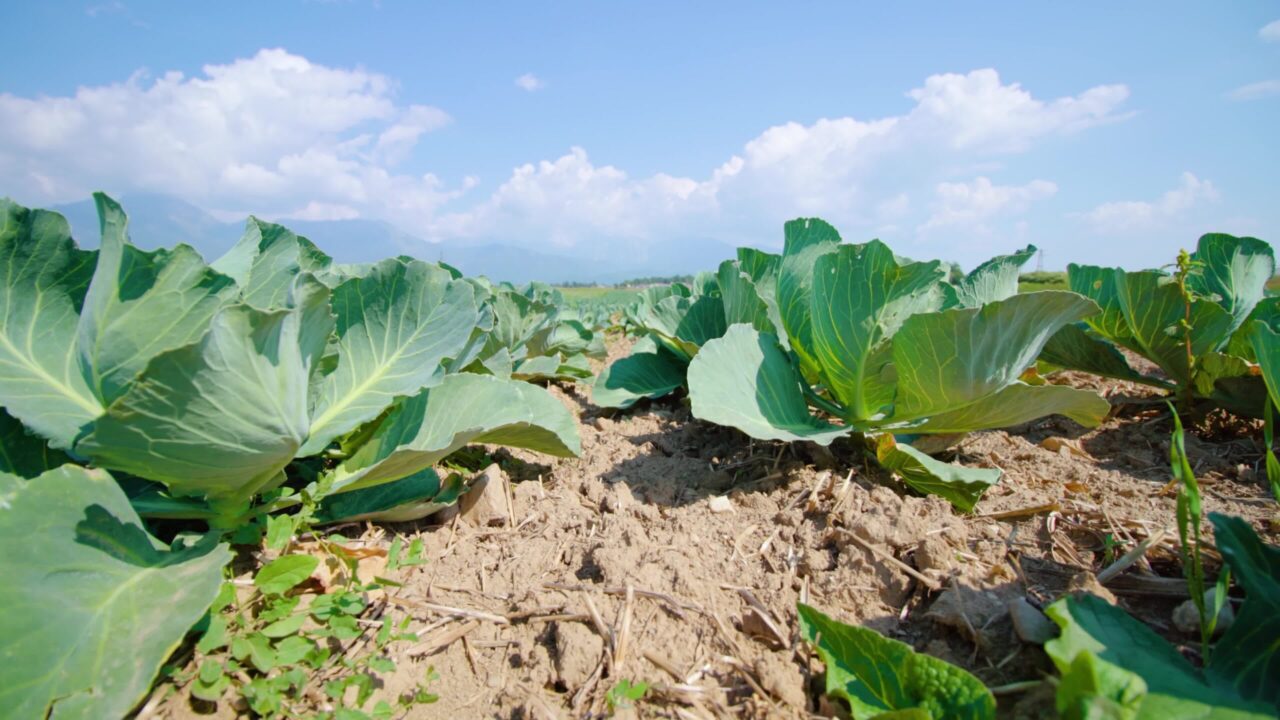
{"points": [[163, 221]]}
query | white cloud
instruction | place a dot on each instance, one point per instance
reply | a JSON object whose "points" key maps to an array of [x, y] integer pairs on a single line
{"points": [[977, 111], [1270, 32], [530, 82], [857, 173], [971, 204], [274, 132], [281, 136], [1134, 215], [396, 142], [1256, 91], [324, 211], [107, 8], [570, 201]]}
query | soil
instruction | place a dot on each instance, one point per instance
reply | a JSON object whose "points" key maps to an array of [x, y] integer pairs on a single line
{"points": [[673, 552]]}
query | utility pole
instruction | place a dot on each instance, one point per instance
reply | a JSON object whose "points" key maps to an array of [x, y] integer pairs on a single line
{"points": [[1040, 261]]}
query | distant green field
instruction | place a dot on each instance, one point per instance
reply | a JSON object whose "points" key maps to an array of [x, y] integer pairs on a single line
{"points": [[1033, 281], [607, 294]]}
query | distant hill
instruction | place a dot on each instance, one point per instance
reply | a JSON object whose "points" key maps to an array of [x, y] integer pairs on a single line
{"points": [[161, 221], [155, 221]]}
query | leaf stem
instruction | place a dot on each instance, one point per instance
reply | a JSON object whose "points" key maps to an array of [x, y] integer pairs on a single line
{"points": [[828, 406]]}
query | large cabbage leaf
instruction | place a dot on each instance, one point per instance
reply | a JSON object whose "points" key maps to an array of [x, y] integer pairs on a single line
{"points": [[745, 380], [462, 409], [141, 304], [861, 296], [949, 360], [222, 417], [1153, 308], [45, 279], [1018, 403], [1234, 271], [92, 612], [650, 371], [805, 240], [266, 262], [742, 300], [395, 328]]}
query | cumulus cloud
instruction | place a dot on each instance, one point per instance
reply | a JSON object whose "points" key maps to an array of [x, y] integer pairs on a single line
{"points": [[275, 132], [971, 204], [530, 82], [1134, 215], [977, 111], [281, 136], [1270, 32], [858, 173], [1256, 91], [569, 201]]}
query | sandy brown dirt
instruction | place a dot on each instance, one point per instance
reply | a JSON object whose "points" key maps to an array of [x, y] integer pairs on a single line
{"points": [[625, 564], [673, 552]]}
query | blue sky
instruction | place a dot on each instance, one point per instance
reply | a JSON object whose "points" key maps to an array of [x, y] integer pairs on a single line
{"points": [[1110, 133]]}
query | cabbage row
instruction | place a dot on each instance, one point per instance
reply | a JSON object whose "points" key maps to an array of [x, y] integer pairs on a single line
{"points": [[833, 340], [141, 385]]}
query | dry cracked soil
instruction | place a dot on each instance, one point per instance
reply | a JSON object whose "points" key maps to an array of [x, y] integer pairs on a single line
{"points": [[673, 552]]}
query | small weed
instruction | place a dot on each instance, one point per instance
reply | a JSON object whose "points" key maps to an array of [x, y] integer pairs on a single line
{"points": [[624, 693], [268, 648], [1191, 545], [395, 559], [1109, 547]]}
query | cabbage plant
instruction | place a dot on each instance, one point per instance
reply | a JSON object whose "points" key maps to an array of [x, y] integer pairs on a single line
{"points": [[832, 340], [673, 322], [1192, 321], [220, 391], [535, 338], [599, 316]]}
